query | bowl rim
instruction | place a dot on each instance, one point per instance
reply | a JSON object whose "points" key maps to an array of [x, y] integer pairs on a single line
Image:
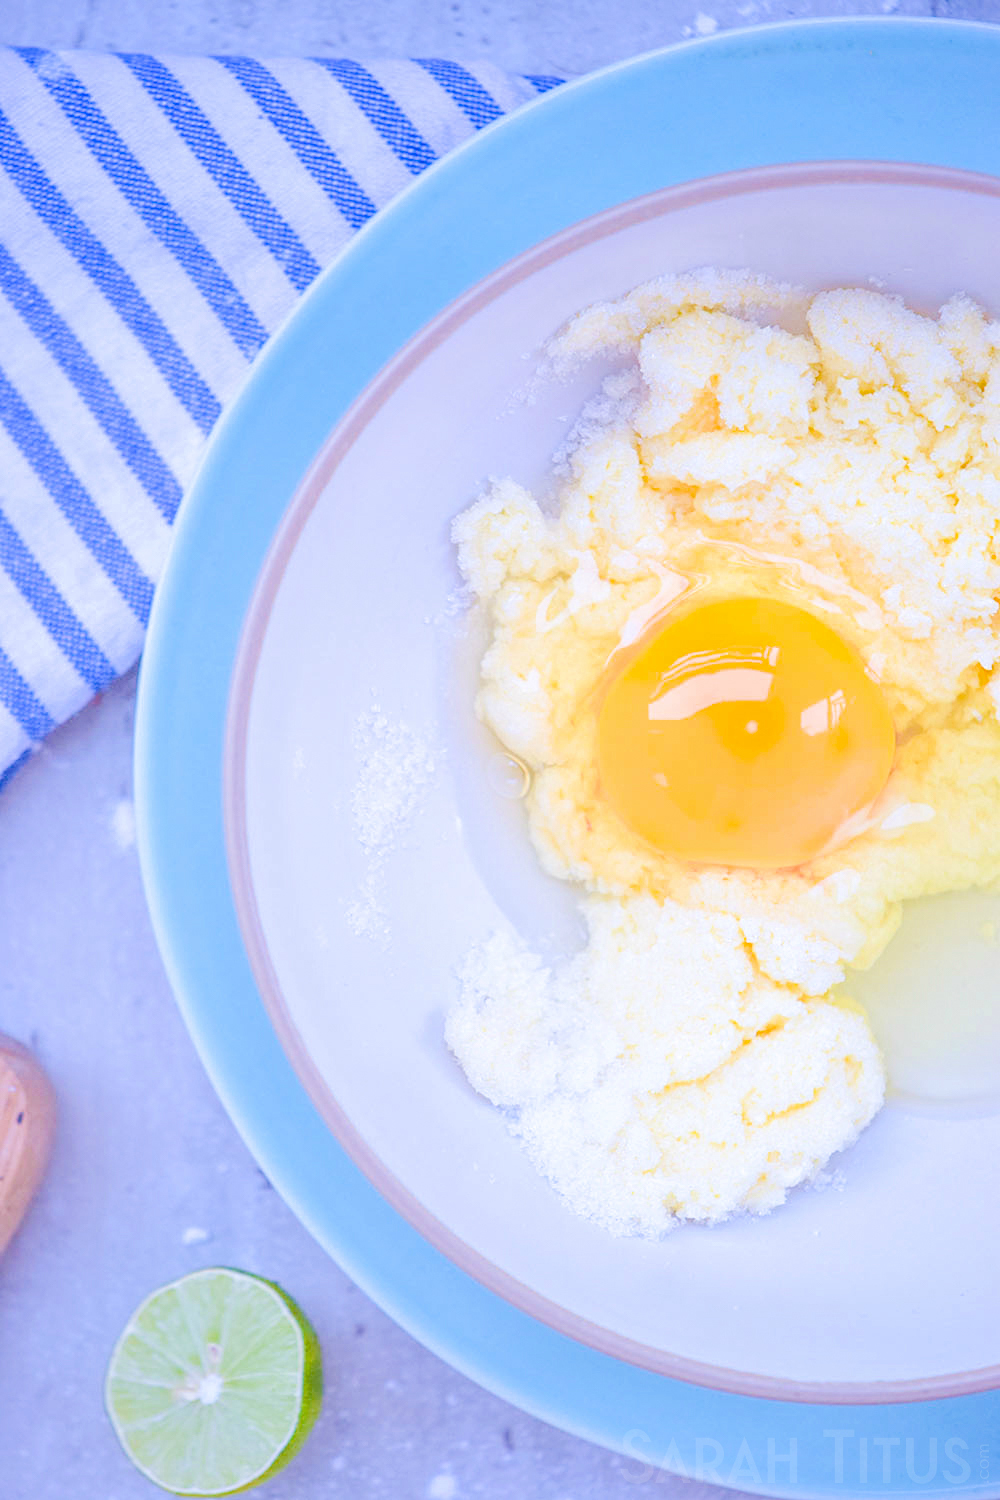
{"points": [[234, 782]]}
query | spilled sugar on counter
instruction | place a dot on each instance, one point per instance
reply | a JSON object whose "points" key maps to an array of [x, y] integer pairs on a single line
{"points": [[747, 661]]}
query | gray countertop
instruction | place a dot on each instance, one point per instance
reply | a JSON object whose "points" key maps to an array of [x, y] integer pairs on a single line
{"points": [[149, 1177], [570, 36]]}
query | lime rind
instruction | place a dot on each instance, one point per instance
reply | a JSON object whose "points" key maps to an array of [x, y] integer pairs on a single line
{"points": [[215, 1383]]}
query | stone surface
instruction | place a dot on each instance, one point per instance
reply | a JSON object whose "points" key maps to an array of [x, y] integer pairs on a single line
{"points": [[570, 36]]}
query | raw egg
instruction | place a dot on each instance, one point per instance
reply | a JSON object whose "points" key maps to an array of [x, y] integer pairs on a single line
{"points": [[743, 731]]}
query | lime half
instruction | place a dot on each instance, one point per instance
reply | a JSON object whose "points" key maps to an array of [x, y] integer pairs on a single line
{"points": [[214, 1383]]}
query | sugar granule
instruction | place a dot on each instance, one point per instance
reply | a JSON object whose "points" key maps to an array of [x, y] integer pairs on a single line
{"points": [[659, 1070], [123, 824], [394, 765]]}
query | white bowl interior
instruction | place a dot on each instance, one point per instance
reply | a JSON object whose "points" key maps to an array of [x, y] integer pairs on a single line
{"points": [[888, 1275]]}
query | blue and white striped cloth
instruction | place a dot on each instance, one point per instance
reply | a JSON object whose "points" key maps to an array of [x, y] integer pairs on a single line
{"points": [[158, 218]]}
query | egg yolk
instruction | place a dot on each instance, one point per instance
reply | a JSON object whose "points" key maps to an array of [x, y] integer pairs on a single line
{"points": [[743, 732]]}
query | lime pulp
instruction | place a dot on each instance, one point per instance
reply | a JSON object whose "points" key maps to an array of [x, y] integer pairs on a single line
{"points": [[215, 1383]]}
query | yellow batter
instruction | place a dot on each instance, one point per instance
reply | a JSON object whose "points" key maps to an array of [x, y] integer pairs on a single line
{"points": [[690, 1061]]}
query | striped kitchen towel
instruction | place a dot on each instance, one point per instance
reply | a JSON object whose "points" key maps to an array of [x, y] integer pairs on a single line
{"points": [[159, 217]]}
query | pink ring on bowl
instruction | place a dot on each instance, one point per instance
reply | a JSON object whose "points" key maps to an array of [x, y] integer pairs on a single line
{"points": [[652, 206]]}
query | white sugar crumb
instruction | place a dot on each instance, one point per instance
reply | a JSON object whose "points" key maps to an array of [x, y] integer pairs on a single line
{"points": [[825, 1181], [702, 25], [395, 764], [457, 604], [655, 1075], [618, 325], [615, 403], [194, 1235], [442, 1487], [123, 824]]}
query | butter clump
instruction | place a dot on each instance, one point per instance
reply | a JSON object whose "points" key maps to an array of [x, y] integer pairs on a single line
{"points": [[691, 1061]]}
